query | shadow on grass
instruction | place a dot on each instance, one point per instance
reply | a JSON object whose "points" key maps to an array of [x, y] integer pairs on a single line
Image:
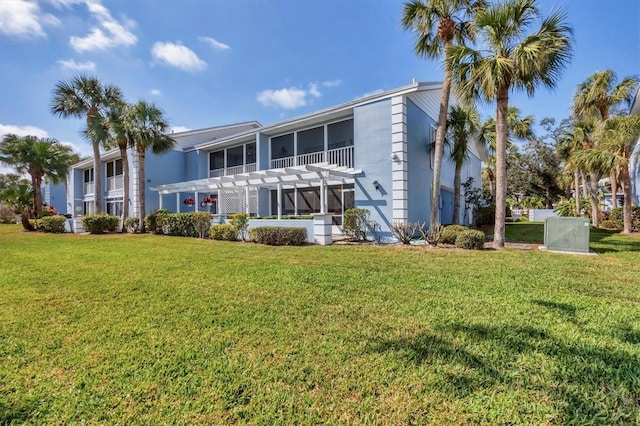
{"points": [[565, 310], [604, 241], [585, 382]]}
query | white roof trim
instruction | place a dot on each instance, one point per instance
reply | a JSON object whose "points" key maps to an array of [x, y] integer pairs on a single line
{"points": [[289, 177]]}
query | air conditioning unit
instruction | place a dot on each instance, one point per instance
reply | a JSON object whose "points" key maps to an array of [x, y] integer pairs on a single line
{"points": [[570, 234]]}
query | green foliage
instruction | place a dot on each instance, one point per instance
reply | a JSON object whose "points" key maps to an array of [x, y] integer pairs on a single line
{"points": [[611, 224], [153, 222], [240, 221], [533, 202], [7, 214], [53, 224], [179, 224], [523, 218], [285, 217], [567, 207], [223, 231], [100, 223], [201, 222], [617, 215], [471, 239], [278, 236], [485, 216], [132, 224], [356, 224], [450, 233]]}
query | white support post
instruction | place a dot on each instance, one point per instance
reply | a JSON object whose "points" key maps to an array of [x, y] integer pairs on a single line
{"points": [[177, 202], [295, 201], [197, 203], [279, 201], [323, 197], [247, 200], [159, 199]]}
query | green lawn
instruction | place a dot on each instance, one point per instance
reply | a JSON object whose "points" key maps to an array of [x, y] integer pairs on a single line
{"points": [[142, 329]]}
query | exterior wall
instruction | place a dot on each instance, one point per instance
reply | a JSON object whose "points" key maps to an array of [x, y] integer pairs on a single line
{"points": [[634, 173], [420, 169], [56, 196], [191, 165], [262, 158], [159, 170], [75, 194], [372, 154]]}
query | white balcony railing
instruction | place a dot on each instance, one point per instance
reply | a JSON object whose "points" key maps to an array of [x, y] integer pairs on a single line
{"points": [[115, 183], [338, 156], [88, 188], [228, 171]]}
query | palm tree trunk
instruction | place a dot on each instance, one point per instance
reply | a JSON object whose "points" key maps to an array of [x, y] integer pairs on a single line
{"points": [[593, 177], [501, 167], [576, 182], [439, 147], [614, 188], [625, 180], [36, 182], [585, 191], [125, 183], [456, 194], [141, 185], [97, 179]]}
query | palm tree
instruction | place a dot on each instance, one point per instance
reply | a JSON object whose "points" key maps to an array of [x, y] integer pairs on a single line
{"points": [[568, 144], [583, 159], [596, 96], [462, 124], [438, 24], [619, 137], [87, 97], [38, 157], [509, 58], [111, 128], [146, 128], [18, 193]]}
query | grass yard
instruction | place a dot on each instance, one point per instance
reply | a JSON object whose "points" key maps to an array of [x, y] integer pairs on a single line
{"points": [[142, 329]]}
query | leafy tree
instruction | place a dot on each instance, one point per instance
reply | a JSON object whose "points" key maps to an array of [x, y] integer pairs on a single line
{"points": [[39, 158], [596, 97], [462, 124], [439, 24], [510, 58], [18, 193], [86, 97], [146, 129]]}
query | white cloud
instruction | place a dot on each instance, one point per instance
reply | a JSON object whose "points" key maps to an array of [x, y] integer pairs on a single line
{"points": [[332, 83], [77, 66], [155, 92], [21, 18], [177, 55], [6, 129], [217, 45], [288, 98], [109, 34], [179, 129]]}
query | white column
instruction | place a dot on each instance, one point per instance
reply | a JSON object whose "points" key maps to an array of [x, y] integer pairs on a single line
{"points": [[295, 201], [197, 203], [323, 197], [247, 200], [177, 202], [399, 164], [279, 201], [159, 199]]}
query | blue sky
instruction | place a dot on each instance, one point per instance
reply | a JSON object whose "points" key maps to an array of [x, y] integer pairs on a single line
{"points": [[213, 62]]}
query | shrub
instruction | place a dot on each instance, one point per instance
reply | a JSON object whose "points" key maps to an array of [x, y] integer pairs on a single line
{"points": [[7, 214], [405, 231], [301, 217], [450, 233], [201, 223], [178, 224], [100, 223], [617, 214], [54, 224], [356, 224], [278, 236], [485, 216], [153, 222], [611, 224], [471, 239], [241, 222], [433, 235], [223, 231], [132, 224]]}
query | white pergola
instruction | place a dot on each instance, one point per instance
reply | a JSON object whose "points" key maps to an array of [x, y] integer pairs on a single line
{"points": [[309, 175]]}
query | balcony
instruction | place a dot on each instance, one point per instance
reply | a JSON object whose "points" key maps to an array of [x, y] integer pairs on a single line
{"points": [[115, 183], [88, 188], [338, 156], [228, 171]]}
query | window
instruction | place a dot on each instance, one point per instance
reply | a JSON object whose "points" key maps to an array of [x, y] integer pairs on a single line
{"points": [[340, 134], [216, 160], [251, 153], [282, 146], [235, 156], [115, 207], [114, 168], [311, 140], [88, 175]]}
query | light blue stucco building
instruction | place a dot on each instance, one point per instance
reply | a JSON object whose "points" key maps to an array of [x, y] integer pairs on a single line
{"points": [[373, 153]]}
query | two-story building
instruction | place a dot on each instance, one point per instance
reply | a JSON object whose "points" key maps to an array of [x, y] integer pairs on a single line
{"points": [[374, 153]]}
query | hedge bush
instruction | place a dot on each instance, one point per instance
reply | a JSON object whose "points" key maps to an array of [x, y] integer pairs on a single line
{"points": [[100, 223], [179, 225], [240, 221], [471, 239], [611, 224], [356, 224], [201, 223], [153, 222], [278, 235], [618, 213], [450, 233], [53, 224], [132, 224], [285, 217], [223, 231]]}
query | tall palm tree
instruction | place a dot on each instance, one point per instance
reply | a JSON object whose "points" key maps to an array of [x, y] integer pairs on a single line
{"points": [[111, 128], [38, 157], [619, 137], [596, 96], [438, 24], [568, 144], [510, 58], [582, 158], [146, 128], [86, 97], [462, 124]]}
